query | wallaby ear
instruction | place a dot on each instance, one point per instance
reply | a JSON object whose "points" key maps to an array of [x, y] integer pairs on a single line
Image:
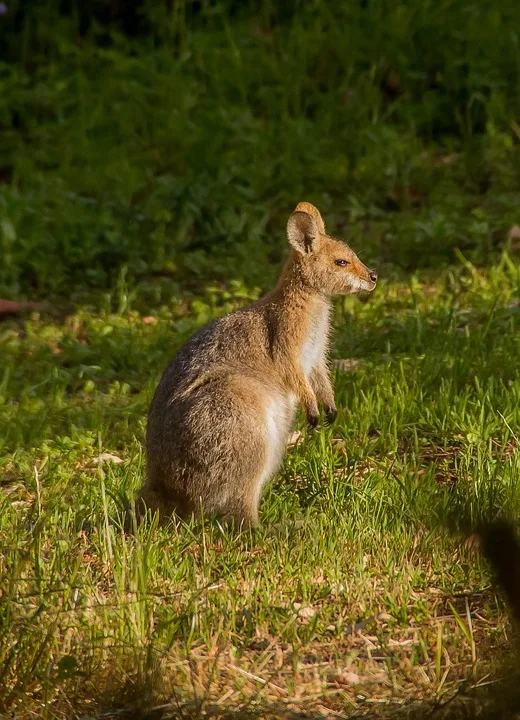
{"points": [[302, 232], [311, 210]]}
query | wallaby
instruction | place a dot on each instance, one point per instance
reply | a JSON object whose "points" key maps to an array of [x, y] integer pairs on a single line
{"points": [[220, 418]]}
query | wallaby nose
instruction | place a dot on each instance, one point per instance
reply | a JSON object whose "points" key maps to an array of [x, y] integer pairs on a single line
{"points": [[372, 275]]}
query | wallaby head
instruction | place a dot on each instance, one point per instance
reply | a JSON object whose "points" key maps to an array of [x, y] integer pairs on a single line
{"points": [[324, 264]]}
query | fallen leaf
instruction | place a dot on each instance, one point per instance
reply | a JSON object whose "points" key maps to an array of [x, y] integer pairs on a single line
{"points": [[6, 174], [409, 194], [347, 677], [472, 542], [447, 159], [107, 457], [392, 84], [294, 439], [345, 365], [400, 643], [340, 447], [514, 237], [11, 307], [379, 676], [304, 611]]}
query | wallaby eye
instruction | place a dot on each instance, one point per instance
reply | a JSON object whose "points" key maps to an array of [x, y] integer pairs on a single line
{"points": [[342, 263]]}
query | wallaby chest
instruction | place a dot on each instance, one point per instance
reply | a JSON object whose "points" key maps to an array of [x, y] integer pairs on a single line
{"points": [[315, 339]]}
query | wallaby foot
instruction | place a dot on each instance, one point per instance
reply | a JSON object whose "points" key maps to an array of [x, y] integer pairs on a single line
{"points": [[331, 414], [150, 501], [241, 516], [313, 419]]}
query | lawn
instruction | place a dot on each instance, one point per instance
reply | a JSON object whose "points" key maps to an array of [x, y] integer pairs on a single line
{"points": [[145, 184]]}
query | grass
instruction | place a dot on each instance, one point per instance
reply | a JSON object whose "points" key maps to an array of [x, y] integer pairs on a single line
{"points": [[138, 180], [425, 439]]}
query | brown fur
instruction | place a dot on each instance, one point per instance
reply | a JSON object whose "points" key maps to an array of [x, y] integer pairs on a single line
{"points": [[220, 417]]}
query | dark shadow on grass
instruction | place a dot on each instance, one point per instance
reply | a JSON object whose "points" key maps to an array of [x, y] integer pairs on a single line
{"points": [[499, 699], [503, 704]]}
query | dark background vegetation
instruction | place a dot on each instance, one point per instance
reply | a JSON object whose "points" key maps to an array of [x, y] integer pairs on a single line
{"points": [[171, 139]]}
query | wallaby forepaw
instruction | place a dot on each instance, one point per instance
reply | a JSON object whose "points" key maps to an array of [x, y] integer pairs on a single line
{"points": [[330, 415], [313, 420]]}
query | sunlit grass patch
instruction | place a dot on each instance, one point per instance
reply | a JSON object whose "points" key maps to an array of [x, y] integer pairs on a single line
{"points": [[353, 587]]}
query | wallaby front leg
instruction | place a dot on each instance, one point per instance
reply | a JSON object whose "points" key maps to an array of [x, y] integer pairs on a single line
{"points": [[307, 398], [322, 386]]}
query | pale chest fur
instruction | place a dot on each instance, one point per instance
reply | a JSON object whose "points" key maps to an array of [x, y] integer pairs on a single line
{"points": [[315, 342]]}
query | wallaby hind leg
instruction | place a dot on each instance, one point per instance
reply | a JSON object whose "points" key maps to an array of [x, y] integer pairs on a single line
{"points": [[153, 500], [243, 515], [213, 451]]}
